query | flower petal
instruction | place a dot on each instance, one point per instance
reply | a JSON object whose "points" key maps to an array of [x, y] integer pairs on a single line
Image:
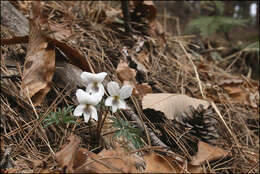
{"points": [[113, 88], [93, 88], [100, 76], [94, 113], [79, 110], [82, 96], [114, 108], [125, 91], [85, 98], [121, 104], [87, 77], [109, 101], [90, 77], [86, 116]]}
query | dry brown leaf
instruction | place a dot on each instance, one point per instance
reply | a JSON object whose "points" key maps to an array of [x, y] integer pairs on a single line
{"points": [[143, 56], [171, 104], [156, 163], [74, 160], [240, 95], [107, 161], [10, 170], [84, 163], [182, 167], [236, 93], [207, 152], [59, 31], [127, 76], [39, 65], [124, 72], [156, 31], [142, 61], [144, 89], [76, 58], [119, 160], [65, 157]]}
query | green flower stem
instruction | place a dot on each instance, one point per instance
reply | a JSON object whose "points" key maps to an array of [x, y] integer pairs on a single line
{"points": [[101, 122]]}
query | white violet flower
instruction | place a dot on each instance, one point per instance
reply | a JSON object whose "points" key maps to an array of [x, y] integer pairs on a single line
{"points": [[117, 95], [86, 105], [94, 82]]}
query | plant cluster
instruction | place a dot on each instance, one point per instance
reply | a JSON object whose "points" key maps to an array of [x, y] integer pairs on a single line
{"points": [[127, 130], [94, 93], [60, 117]]}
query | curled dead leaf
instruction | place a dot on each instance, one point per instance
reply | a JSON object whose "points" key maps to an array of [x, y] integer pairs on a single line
{"points": [[39, 65]]}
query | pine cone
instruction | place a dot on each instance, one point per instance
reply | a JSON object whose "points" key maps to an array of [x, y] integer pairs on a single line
{"points": [[200, 122]]}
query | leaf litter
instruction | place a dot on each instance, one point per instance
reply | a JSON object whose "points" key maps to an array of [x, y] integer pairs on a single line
{"points": [[94, 42]]}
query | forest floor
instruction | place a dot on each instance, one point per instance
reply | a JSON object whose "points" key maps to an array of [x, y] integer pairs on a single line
{"points": [[40, 134]]}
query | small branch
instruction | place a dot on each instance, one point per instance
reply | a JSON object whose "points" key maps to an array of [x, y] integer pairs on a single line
{"points": [[126, 15]]}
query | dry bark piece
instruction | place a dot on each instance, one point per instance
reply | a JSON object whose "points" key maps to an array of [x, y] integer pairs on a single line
{"points": [[10, 15], [39, 65], [171, 105], [207, 152]]}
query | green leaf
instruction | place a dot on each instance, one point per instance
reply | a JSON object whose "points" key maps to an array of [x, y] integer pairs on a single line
{"points": [[117, 134]]}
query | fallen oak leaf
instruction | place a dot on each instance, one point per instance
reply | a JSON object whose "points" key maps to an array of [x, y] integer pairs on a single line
{"points": [[39, 65]]}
